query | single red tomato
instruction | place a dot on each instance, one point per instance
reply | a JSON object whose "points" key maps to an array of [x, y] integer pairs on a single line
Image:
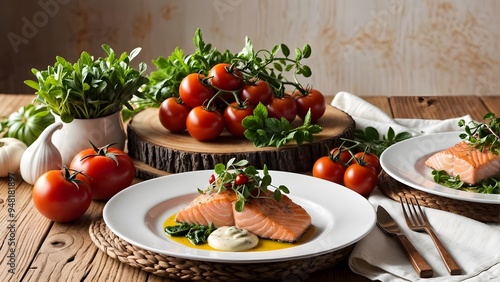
{"points": [[233, 115], [173, 114], [360, 178], [254, 93], [369, 158], [312, 99], [241, 179], [282, 107], [109, 169], [226, 78], [62, 195], [328, 169], [341, 153], [204, 124], [193, 91]]}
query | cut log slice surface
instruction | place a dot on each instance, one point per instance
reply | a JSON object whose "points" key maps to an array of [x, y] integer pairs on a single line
{"points": [[150, 143]]}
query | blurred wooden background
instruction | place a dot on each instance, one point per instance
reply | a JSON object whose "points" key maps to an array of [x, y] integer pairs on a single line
{"points": [[367, 47]]}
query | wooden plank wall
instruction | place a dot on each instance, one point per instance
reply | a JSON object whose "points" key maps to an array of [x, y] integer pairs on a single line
{"points": [[367, 47]]}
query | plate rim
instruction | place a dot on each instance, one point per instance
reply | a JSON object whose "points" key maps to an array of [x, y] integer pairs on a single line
{"points": [[228, 257], [413, 177]]}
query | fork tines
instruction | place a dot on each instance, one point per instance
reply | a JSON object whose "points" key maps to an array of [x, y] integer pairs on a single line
{"points": [[413, 217]]}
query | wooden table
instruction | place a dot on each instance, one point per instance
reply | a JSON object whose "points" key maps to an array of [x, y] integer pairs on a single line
{"points": [[48, 251]]}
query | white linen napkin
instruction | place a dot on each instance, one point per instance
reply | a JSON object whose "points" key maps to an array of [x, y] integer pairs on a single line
{"points": [[366, 114], [474, 245]]}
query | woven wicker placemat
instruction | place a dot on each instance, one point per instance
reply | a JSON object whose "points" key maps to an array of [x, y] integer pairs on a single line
{"points": [[184, 269], [478, 211]]}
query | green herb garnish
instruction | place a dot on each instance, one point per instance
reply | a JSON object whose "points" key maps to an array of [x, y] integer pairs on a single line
{"points": [[265, 131], [487, 186], [371, 138], [483, 135], [245, 181], [89, 88], [196, 234]]}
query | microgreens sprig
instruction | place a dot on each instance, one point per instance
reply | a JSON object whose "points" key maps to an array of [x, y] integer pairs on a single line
{"points": [[254, 186], [488, 186], [483, 135]]}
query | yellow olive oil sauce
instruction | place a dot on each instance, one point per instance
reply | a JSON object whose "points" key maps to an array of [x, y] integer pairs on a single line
{"points": [[263, 245]]}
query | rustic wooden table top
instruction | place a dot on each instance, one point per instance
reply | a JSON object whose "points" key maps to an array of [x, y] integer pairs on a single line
{"points": [[48, 251]]}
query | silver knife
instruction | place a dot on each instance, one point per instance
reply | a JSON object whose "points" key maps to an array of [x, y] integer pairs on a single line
{"points": [[390, 227]]}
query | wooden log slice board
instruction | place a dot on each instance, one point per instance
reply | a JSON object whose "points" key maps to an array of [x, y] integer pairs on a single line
{"points": [[156, 149]]}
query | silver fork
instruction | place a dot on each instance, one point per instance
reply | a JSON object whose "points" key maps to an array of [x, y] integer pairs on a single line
{"points": [[417, 221]]}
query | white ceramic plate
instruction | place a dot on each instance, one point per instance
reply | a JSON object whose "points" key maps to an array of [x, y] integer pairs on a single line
{"points": [[404, 161], [136, 214]]}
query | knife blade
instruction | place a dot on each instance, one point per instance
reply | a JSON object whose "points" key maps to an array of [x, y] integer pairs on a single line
{"points": [[387, 224]]}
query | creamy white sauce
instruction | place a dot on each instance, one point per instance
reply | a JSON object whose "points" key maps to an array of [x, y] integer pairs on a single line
{"points": [[232, 238]]}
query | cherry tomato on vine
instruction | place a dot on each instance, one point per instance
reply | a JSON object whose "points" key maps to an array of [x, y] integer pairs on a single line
{"points": [[344, 155], [193, 92], [204, 124], [360, 178], [62, 195], [313, 100], [255, 93], [282, 107], [211, 179], [109, 169], [241, 179], [225, 78], [369, 158], [233, 115], [328, 169], [173, 114]]}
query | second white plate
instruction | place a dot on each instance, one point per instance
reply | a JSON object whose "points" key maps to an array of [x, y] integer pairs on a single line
{"points": [[405, 162]]}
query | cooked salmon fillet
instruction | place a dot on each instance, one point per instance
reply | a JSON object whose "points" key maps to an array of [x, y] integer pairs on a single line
{"points": [[471, 164], [210, 207], [283, 221], [265, 217]]}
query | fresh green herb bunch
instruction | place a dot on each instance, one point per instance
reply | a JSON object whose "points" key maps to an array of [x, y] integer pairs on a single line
{"points": [[89, 88], [245, 181], [483, 135], [265, 131]]}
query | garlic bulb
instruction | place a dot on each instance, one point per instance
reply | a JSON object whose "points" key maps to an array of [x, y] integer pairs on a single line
{"points": [[11, 151], [41, 156]]}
